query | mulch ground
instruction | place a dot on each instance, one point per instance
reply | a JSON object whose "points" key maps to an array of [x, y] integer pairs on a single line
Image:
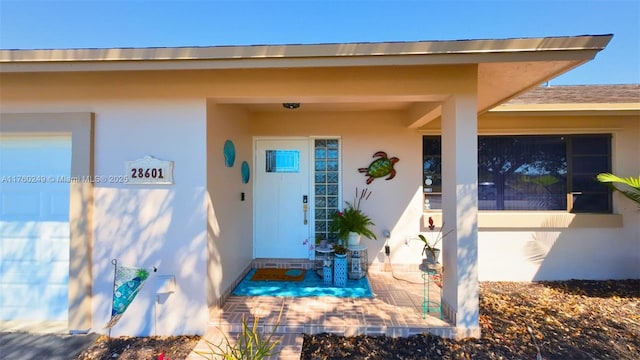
{"points": [[548, 320], [559, 320], [137, 348]]}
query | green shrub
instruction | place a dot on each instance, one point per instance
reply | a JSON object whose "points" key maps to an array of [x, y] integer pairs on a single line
{"points": [[251, 343]]}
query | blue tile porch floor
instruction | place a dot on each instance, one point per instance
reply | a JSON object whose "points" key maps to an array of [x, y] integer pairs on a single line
{"points": [[395, 310], [311, 285]]}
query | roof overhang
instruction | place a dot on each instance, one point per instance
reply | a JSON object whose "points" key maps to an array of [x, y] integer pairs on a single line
{"points": [[270, 56], [505, 67]]}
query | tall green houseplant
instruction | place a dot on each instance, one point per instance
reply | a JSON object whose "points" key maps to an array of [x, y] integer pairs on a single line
{"points": [[352, 219]]}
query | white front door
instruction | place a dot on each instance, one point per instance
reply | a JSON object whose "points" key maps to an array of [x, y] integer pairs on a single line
{"points": [[34, 227], [281, 196]]}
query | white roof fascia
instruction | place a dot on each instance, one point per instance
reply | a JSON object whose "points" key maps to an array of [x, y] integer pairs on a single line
{"points": [[322, 55]]}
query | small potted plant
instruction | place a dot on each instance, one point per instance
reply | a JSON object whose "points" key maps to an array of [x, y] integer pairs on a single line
{"points": [[429, 249], [321, 242], [340, 250], [351, 223]]}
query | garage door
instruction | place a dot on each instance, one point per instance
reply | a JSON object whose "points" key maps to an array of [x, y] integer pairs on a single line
{"points": [[34, 227]]}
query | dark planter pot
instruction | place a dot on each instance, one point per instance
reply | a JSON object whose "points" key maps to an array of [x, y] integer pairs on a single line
{"points": [[432, 257]]}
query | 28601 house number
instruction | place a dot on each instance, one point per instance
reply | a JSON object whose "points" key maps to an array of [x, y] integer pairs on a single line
{"points": [[149, 171], [146, 173]]}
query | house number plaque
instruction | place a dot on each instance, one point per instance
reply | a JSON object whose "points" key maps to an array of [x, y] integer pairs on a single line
{"points": [[149, 170]]}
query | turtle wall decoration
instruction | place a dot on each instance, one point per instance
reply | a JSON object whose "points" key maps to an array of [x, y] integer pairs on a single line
{"points": [[380, 167]]}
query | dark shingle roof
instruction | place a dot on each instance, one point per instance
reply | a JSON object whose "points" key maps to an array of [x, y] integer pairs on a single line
{"points": [[580, 94]]}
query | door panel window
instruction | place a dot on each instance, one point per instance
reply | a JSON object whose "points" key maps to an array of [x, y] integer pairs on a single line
{"points": [[283, 161]]}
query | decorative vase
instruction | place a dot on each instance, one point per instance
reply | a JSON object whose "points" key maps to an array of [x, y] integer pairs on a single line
{"points": [[354, 238], [340, 271], [432, 257], [327, 275]]}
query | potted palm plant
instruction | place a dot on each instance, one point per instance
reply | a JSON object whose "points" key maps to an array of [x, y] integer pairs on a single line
{"points": [[351, 223]]}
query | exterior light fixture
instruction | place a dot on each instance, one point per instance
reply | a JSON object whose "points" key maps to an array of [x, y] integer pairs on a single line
{"points": [[291, 106]]}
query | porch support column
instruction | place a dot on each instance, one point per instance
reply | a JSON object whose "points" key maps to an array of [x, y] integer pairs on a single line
{"points": [[460, 212]]}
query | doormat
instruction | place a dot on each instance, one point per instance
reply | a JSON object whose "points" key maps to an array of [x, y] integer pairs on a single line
{"points": [[278, 275]]}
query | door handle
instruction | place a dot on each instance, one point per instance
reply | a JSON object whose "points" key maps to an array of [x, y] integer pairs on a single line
{"points": [[305, 207]]}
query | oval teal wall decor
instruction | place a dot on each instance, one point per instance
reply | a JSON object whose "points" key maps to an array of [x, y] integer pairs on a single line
{"points": [[244, 169], [229, 153]]}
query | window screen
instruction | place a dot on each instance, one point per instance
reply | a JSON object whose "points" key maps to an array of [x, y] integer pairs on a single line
{"points": [[532, 172]]}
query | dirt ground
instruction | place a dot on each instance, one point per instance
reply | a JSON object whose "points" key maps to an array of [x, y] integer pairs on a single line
{"points": [[557, 320]]}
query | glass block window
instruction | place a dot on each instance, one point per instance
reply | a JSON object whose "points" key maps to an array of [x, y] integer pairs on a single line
{"points": [[283, 161], [326, 184]]}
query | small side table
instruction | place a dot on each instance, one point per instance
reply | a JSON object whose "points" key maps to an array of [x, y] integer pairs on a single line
{"points": [[357, 261], [429, 306], [323, 255]]}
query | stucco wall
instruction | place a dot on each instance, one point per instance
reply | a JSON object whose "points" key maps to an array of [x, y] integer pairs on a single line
{"points": [[146, 225], [230, 220]]}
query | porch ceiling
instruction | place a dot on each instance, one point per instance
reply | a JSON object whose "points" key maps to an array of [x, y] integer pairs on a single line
{"points": [[496, 84], [320, 106]]}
